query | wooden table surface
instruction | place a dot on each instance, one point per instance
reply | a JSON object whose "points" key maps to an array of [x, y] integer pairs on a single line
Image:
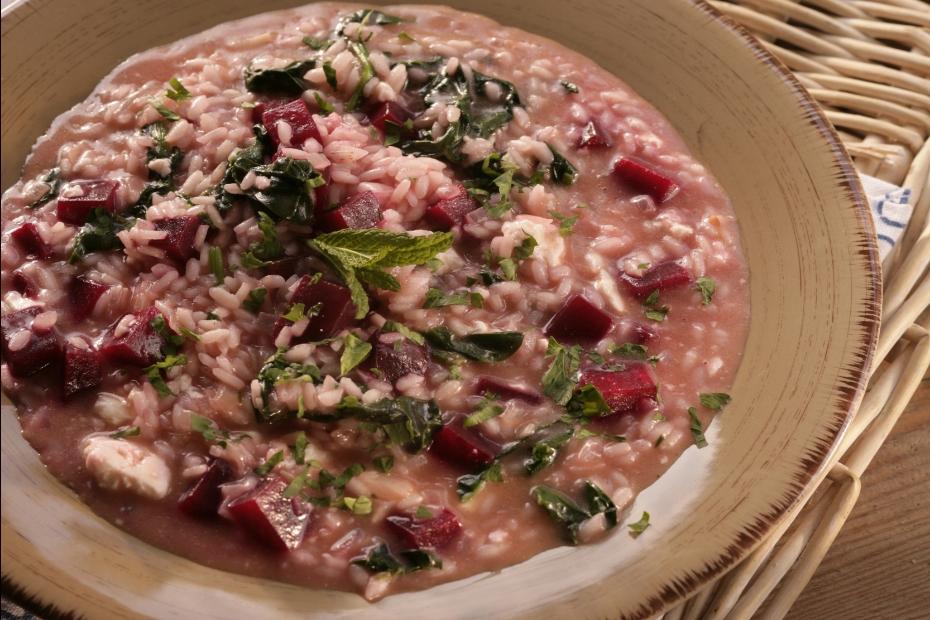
{"points": [[879, 565]]}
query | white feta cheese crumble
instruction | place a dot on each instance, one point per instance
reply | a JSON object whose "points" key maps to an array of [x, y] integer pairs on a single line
{"points": [[113, 409], [120, 465]]}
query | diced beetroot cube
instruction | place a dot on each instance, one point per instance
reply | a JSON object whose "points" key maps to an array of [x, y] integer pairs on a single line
{"points": [[337, 312], [644, 179], [451, 212], [579, 322], [321, 193], [507, 391], [622, 389], [29, 241], [262, 106], [74, 209], [661, 277], [424, 532], [641, 334], [24, 285], [461, 448], [412, 358], [389, 111], [357, 212], [139, 345], [179, 244], [284, 267], [592, 137], [266, 514], [82, 369], [40, 350], [295, 114], [203, 498], [83, 294]]}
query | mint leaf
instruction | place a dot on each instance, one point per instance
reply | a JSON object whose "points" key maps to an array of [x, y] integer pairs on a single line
{"points": [[297, 483], [355, 352], [713, 400], [409, 334], [557, 383], [204, 426], [436, 299]]}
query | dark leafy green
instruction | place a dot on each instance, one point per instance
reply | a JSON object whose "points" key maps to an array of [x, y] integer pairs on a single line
{"points": [[289, 79], [99, 234], [407, 421], [160, 148], [278, 370], [563, 509], [489, 347], [368, 17], [52, 182]]}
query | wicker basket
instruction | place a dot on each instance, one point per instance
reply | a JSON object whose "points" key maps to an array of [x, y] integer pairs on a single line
{"points": [[868, 65]]}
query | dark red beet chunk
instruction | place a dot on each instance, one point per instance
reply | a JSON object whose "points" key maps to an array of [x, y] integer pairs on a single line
{"points": [[139, 346], [284, 267], [579, 322], [336, 313], [179, 244], [424, 532], [83, 294], [357, 212], [450, 212], [461, 448], [661, 277], [24, 285], [643, 179], [506, 391], [622, 389], [40, 351], [412, 358], [203, 498], [295, 114], [321, 193], [266, 514], [75, 209], [592, 137], [29, 241], [82, 369], [389, 111]]}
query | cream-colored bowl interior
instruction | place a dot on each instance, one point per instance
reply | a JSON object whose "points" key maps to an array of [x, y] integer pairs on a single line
{"points": [[815, 295]]}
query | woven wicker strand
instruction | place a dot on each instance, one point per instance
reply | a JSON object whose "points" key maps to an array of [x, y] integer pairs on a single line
{"points": [[868, 65]]}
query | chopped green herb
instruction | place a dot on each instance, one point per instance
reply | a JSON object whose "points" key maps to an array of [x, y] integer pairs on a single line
{"points": [[52, 181], [596, 357], [160, 149], [298, 483], [628, 351], [696, 428], [204, 426], [557, 383], [713, 400], [406, 38], [563, 510], [99, 234], [255, 300], [658, 417], [588, 402], [211, 316], [368, 17], [278, 370], [261, 254], [659, 441], [248, 105], [330, 75], [640, 526], [216, 264], [384, 464], [265, 468], [545, 444], [135, 431], [357, 255], [162, 109], [359, 505], [326, 107], [153, 373], [485, 411], [657, 314], [561, 170], [176, 90], [407, 421], [653, 298], [367, 71], [318, 44], [436, 299], [570, 87], [488, 347], [300, 448], [643, 266], [477, 300], [409, 334], [707, 287], [424, 513], [289, 79], [585, 433], [470, 484], [354, 352]]}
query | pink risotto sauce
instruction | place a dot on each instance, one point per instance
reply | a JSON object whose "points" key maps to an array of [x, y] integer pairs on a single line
{"points": [[366, 300]]}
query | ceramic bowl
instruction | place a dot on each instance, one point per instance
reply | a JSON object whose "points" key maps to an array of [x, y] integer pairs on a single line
{"points": [[815, 295]]}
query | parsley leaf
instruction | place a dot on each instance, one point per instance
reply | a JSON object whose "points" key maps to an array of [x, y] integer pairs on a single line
{"points": [[713, 400], [485, 411], [557, 383], [270, 463], [640, 526], [424, 513], [384, 464], [135, 431], [354, 352], [657, 314], [300, 448], [653, 298], [696, 428], [176, 90], [707, 287], [628, 351], [255, 300], [204, 426], [162, 109]]}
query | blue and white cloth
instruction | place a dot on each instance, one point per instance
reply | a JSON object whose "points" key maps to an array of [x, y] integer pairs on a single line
{"points": [[891, 211]]}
